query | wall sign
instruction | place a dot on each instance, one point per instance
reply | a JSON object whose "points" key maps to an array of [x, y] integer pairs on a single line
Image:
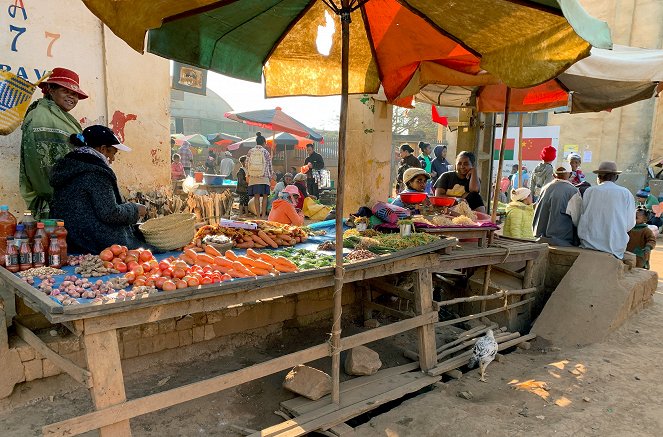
{"points": [[190, 79]]}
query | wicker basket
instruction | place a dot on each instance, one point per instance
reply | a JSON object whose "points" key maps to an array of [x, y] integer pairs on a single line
{"points": [[169, 232]]}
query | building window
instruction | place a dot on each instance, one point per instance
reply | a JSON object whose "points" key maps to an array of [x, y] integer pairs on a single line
{"points": [[530, 119]]}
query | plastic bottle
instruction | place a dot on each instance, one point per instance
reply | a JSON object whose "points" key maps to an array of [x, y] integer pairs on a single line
{"points": [[19, 236], [29, 224], [25, 256], [61, 234], [7, 229], [49, 227], [38, 253], [54, 254], [42, 235], [11, 256]]}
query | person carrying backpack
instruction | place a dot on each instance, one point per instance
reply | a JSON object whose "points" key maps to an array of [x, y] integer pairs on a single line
{"points": [[259, 173]]}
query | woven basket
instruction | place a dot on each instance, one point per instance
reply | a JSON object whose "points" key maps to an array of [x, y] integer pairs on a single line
{"points": [[169, 232]]}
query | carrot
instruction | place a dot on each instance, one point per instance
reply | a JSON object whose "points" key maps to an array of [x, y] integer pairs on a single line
{"points": [[223, 262], [238, 266], [259, 271], [298, 239], [284, 269], [231, 255], [254, 262], [267, 258], [187, 260], [258, 240], [205, 258], [252, 254], [191, 254], [267, 239], [285, 262], [211, 250], [221, 269], [236, 274]]}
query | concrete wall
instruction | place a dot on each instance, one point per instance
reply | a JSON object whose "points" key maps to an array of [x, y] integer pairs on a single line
{"points": [[128, 91], [625, 134]]}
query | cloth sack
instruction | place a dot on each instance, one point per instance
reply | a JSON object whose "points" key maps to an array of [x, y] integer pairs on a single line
{"points": [[256, 165], [390, 213]]}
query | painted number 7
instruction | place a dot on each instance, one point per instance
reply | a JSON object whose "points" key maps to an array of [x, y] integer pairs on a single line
{"points": [[20, 30], [55, 37]]}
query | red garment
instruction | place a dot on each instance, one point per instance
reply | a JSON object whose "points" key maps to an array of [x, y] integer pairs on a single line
{"points": [[176, 171], [549, 153], [301, 186]]}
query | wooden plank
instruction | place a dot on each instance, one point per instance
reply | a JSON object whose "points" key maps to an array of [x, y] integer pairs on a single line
{"points": [[388, 287], [168, 398], [509, 272], [79, 374], [529, 273], [386, 310], [485, 313], [103, 361], [486, 284], [342, 429], [367, 298], [301, 405], [423, 301], [34, 298], [330, 415], [498, 295]]}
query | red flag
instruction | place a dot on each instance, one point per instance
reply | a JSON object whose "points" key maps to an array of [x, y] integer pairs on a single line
{"points": [[444, 121]]}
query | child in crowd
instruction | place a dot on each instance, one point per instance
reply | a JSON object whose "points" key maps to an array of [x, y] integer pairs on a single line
{"points": [[543, 173], [577, 176], [641, 239], [519, 215], [176, 168], [242, 187]]}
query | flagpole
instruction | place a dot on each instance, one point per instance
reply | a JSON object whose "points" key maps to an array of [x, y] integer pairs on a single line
{"points": [[520, 150], [500, 163]]}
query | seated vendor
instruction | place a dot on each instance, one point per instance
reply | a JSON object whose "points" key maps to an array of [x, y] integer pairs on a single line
{"points": [[415, 182], [283, 208], [462, 182], [87, 198]]}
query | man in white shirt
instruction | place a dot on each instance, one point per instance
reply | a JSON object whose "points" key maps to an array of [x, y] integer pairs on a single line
{"points": [[607, 213], [227, 165]]}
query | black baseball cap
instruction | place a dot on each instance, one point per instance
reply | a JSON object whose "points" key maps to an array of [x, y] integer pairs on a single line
{"points": [[98, 135]]}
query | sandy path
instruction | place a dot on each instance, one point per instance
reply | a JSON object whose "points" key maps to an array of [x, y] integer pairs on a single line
{"points": [[607, 389]]}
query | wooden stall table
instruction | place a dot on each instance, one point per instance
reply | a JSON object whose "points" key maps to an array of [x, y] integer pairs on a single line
{"points": [[98, 325], [484, 234]]}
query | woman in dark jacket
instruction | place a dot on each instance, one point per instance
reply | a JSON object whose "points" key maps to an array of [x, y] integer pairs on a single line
{"points": [[440, 164], [408, 160], [86, 196]]}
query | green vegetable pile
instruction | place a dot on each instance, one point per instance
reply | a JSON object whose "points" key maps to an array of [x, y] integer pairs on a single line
{"points": [[307, 259], [388, 243]]}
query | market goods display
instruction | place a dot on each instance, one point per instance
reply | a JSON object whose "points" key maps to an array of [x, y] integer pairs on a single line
{"points": [[266, 234], [359, 255], [388, 243], [307, 259]]}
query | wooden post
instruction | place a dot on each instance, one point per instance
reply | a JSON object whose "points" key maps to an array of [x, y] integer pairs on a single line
{"points": [[103, 361], [368, 298], [520, 150], [486, 284], [338, 273], [423, 301], [528, 276], [500, 162]]}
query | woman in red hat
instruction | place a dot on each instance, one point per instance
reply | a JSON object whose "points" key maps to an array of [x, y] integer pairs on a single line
{"points": [[543, 173], [46, 130]]}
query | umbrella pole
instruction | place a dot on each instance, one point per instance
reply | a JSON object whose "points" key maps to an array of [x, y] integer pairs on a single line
{"points": [[500, 162], [338, 276], [520, 150]]}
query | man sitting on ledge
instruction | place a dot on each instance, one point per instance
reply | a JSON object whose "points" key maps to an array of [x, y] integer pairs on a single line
{"points": [[607, 213]]}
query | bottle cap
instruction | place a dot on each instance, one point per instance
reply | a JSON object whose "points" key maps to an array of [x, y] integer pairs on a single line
{"points": [[4, 208], [60, 223], [40, 225], [20, 227]]}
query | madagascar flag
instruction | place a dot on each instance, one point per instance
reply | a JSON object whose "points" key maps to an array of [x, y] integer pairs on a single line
{"points": [[508, 152]]}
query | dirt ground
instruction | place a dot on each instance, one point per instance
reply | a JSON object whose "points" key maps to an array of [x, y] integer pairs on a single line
{"points": [[607, 389]]}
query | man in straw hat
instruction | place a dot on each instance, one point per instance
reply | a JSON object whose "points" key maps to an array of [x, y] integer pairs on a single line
{"points": [[607, 213], [46, 130], [553, 221]]}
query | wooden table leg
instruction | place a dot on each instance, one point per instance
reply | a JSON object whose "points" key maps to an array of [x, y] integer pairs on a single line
{"points": [[423, 301], [529, 274], [486, 285], [103, 361], [367, 299]]}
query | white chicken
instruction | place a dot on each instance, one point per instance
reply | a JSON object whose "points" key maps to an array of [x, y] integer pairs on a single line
{"points": [[484, 353]]}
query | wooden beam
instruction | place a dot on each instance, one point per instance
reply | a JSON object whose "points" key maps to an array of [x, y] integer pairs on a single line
{"points": [[529, 273], [423, 301], [79, 374], [386, 310], [103, 360], [509, 272], [486, 284], [168, 398], [498, 295], [485, 313]]}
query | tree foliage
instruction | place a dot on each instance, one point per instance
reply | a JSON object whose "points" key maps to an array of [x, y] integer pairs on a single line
{"points": [[414, 121]]}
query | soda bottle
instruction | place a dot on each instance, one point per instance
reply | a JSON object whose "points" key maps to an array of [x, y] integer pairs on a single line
{"points": [[38, 253], [19, 236], [25, 256], [7, 229], [49, 227], [11, 256], [54, 254], [61, 234], [29, 224], [42, 235]]}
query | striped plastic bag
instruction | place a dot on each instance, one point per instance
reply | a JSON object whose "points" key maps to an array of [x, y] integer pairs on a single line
{"points": [[15, 96]]}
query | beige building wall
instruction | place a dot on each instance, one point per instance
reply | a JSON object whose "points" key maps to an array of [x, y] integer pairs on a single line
{"points": [[128, 91], [625, 134]]}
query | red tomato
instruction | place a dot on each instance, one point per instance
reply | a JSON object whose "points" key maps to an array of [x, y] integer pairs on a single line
{"points": [[226, 277], [193, 282], [122, 256], [169, 286], [137, 269], [159, 282], [206, 280], [145, 255], [121, 267], [106, 255], [130, 276], [146, 267], [139, 282], [178, 273], [130, 259], [150, 282], [163, 265], [181, 284], [116, 249]]}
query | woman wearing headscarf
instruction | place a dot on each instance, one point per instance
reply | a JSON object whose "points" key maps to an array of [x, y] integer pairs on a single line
{"points": [[87, 198], [408, 160], [46, 130], [284, 208], [440, 164], [300, 183]]}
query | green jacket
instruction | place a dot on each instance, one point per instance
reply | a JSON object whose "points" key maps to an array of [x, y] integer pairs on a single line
{"points": [[519, 218], [46, 130]]}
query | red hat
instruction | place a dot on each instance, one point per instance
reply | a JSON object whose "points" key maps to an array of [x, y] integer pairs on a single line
{"points": [[549, 153], [65, 78]]}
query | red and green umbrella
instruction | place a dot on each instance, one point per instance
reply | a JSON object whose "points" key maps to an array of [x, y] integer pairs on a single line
{"points": [[275, 120]]}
